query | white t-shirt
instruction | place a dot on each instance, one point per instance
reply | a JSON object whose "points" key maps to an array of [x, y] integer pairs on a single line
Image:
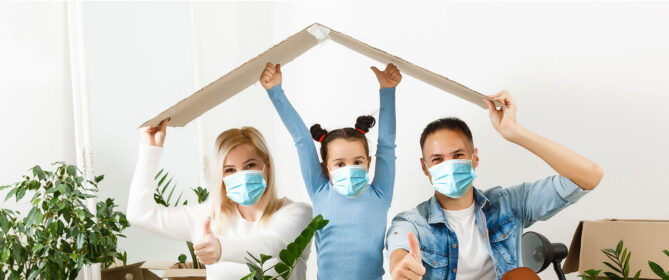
{"points": [[474, 262], [239, 235]]}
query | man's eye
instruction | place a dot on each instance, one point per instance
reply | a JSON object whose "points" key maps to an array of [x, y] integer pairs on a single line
{"points": [[437, 160]]}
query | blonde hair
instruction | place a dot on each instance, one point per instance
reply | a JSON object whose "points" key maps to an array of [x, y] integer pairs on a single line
{"points": [[223, 208]]}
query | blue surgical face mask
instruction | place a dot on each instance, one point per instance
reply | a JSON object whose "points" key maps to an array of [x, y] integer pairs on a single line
{"points": [[245, 187], [350, 180], [453, 177]]}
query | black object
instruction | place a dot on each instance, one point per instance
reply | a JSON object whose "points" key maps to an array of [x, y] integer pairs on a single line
{"points": [[538, 253]]}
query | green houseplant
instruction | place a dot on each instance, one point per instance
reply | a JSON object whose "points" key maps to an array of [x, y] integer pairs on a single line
{"points": [[165, 187], [287, 257], [658, 270], [620, 258], [59, 235]]}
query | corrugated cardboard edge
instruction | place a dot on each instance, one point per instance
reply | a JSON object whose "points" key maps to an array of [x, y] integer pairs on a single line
{"points": [[413, 70], [317, 31], [198, 94], [574, 255]]}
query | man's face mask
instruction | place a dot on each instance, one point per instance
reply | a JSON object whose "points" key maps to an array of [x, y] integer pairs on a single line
{"points": [[453, 177]]}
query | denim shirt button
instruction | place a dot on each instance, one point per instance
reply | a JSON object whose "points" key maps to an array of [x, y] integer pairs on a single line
{"points": [[454, 245], [454, 270], [435, 262], [504, 235]]}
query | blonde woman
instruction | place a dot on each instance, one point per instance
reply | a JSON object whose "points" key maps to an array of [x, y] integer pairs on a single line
{"points": [[242, 213]]}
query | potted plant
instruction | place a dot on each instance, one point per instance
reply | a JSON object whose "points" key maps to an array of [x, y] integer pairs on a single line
{"points": [[287, 257], [59, 235]]}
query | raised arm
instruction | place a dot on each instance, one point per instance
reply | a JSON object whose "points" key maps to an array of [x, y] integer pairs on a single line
{"points": [[171, 222], [384, 177], [585, 173], [312, 173]]}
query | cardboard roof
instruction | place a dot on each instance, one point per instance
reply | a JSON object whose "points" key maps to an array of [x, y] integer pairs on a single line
{"points": [[248, 73]]}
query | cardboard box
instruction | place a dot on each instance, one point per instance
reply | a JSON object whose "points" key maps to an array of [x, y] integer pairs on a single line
{"points": [[118, 272], [644, 238], [177, 271], [248, 74]]}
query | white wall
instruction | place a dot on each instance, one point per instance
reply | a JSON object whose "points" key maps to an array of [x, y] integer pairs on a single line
{"points": [[590, 76], [35, 99]]}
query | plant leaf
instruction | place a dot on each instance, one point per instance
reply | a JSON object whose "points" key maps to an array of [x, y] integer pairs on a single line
{"points": [[619, 248], [264, 258], [249, 276], [657, 269], [613, 267]]}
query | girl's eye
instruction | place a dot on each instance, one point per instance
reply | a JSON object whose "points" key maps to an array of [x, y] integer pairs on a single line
{"points": [[339, 164], [251, 165], [357, 162]]}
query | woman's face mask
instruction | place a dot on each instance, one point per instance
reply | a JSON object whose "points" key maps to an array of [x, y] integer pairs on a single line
{"points": [[245, 187]]}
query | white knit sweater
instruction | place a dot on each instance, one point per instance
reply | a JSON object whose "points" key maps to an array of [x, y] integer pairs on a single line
{"points": [[239, 235]]}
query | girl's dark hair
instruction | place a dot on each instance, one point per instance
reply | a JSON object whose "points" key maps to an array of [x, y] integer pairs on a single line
{"points": [[362, 126]]}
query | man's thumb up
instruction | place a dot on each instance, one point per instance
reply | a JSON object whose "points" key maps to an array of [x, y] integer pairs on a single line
{"points": [[377, 72], [208, 249], [414, 246]]}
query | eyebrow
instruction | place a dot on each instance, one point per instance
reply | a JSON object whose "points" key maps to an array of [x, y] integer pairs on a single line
{"points": [[453, 152], [358, 157], [243, 163]]}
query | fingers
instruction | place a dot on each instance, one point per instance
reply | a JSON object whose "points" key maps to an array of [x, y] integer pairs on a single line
{"points": [[278, 68], [414, 245], [163, 124], [200, 245], [376, 70], [207, 226]]}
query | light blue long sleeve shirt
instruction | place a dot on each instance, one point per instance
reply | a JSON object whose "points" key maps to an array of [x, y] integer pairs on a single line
{"points": [[351, 245]]}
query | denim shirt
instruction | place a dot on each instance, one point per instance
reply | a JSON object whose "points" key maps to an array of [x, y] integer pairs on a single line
{"points": [[501, 215]]}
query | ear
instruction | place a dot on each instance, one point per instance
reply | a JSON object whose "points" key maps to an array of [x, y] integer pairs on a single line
{"points": [[369, 162], [475, 159], [325, 170], [421, 161]]}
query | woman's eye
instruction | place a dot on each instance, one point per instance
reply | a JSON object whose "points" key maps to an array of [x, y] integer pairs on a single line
{"points": [[229, 170], [251, 165]]}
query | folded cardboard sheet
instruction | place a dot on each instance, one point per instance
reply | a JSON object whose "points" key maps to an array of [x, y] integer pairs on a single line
{"points": [[248, 73]]}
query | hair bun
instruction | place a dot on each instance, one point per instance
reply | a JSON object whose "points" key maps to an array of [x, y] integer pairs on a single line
{"points": [[317, 132], [364, 123]]}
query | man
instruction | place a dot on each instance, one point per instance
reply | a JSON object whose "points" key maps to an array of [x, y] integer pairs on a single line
{"points": [[467, 233]]}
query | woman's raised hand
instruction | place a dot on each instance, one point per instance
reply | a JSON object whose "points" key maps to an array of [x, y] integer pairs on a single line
{"points": [[155, 135]]}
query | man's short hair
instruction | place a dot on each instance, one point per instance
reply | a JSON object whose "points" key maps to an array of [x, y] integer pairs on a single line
{"points": [[450, 123]]}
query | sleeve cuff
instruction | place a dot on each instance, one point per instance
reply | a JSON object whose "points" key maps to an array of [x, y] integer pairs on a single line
{"points": [[397, 239], [148, 153], [387, 90], [569, 190], [275, 90]]}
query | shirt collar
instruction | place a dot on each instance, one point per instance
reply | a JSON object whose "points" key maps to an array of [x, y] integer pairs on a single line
{"points": [[435, 214]]}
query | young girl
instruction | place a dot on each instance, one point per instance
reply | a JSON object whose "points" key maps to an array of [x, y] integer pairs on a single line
{"points": [[242, 214], [351, 245]]}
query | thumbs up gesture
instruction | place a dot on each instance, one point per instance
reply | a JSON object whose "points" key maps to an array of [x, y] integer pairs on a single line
{"points": [[271, 76], [208, 249], [411, 265], [388, 78]]}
